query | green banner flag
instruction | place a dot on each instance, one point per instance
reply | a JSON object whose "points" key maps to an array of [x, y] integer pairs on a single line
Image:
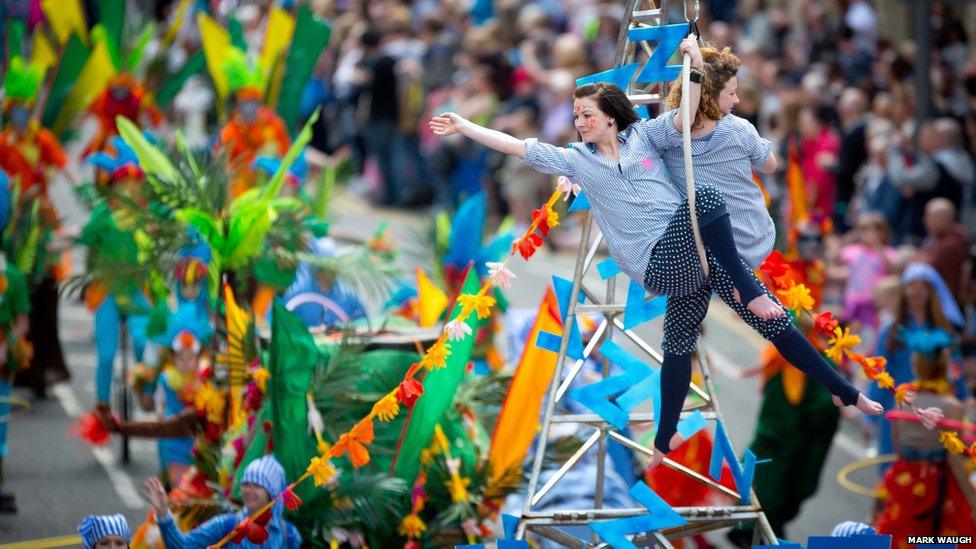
{"points": [[439, 389], [292, 358]]}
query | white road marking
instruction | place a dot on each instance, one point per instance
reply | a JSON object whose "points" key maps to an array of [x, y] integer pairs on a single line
{"points": [[121, 481]]}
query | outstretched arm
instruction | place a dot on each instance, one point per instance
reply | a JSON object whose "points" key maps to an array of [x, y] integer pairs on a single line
{"points": [[539, 156], [450, 123]]}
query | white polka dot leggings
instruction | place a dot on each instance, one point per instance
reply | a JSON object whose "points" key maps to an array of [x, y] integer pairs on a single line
{"points": [[675, 270]]}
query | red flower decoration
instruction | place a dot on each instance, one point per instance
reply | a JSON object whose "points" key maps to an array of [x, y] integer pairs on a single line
{"points": [[257, 534], [91, 430], [290, 500], [775, 265], [411, 544], [825, 323], [409, 391], [541, 217], [527, 246]]}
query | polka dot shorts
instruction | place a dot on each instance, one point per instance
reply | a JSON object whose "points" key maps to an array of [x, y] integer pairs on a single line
{"points": [[684, 314], [674, 268]]}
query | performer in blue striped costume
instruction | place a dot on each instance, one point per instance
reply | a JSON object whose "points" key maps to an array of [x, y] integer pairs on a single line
{"points": [[647, 226], [105, 532], [263, 479]]}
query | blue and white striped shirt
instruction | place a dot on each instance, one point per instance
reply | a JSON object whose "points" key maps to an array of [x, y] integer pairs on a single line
{"points": [[724, 159], [633, 200]]}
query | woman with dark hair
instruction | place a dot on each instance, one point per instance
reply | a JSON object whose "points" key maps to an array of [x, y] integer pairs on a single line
{"points": [[647, 225]]}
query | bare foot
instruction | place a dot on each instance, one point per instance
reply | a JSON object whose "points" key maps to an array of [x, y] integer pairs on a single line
{"points": [[765, 308], [658, 457], [864, 404]]}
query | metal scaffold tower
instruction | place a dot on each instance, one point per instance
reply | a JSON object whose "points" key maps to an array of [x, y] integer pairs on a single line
{"points": [[633, 47]]}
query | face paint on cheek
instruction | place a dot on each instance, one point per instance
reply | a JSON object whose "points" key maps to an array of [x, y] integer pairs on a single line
{"points": [[591, 123]]}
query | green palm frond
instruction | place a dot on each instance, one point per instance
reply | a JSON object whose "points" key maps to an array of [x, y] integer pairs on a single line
{"points": [[356, 269], [151, 159], [336, 383], [484, 395]]}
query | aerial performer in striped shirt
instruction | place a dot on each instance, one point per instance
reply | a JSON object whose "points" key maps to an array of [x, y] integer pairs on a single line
{"points": [[647, 225]]}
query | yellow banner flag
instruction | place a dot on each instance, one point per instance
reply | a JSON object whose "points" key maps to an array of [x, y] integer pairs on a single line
{"points": [[91, 81], [42, 52], [518, 421], [215, 41], [66, 17], [431, 300], [277, 37]]}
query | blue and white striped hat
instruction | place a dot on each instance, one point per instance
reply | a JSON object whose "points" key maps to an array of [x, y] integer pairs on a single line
{"points": [[850, 528], [96, 527], [267, 473]]}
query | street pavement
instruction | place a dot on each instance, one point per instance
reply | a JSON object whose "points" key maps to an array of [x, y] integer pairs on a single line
{"points": [[57, 479]]}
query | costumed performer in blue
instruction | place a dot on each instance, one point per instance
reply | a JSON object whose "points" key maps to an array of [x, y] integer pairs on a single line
{"points": [[114, 245], [647, 225], [105, 532], [263, 480]]}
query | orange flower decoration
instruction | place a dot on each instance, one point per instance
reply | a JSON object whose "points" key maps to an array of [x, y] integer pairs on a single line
{"points": [[354, 442], [871, 365]]}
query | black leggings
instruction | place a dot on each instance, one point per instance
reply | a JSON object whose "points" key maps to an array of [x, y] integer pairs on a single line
{"points": [[675, 270]]}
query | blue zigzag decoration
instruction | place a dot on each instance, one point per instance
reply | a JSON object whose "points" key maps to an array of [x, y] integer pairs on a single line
{"points": [[596, 396], [619, 76], [608, 268], [659, 515], [741, 472], [549, 341], [689, 426], [668, 38], [639, 310]]}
